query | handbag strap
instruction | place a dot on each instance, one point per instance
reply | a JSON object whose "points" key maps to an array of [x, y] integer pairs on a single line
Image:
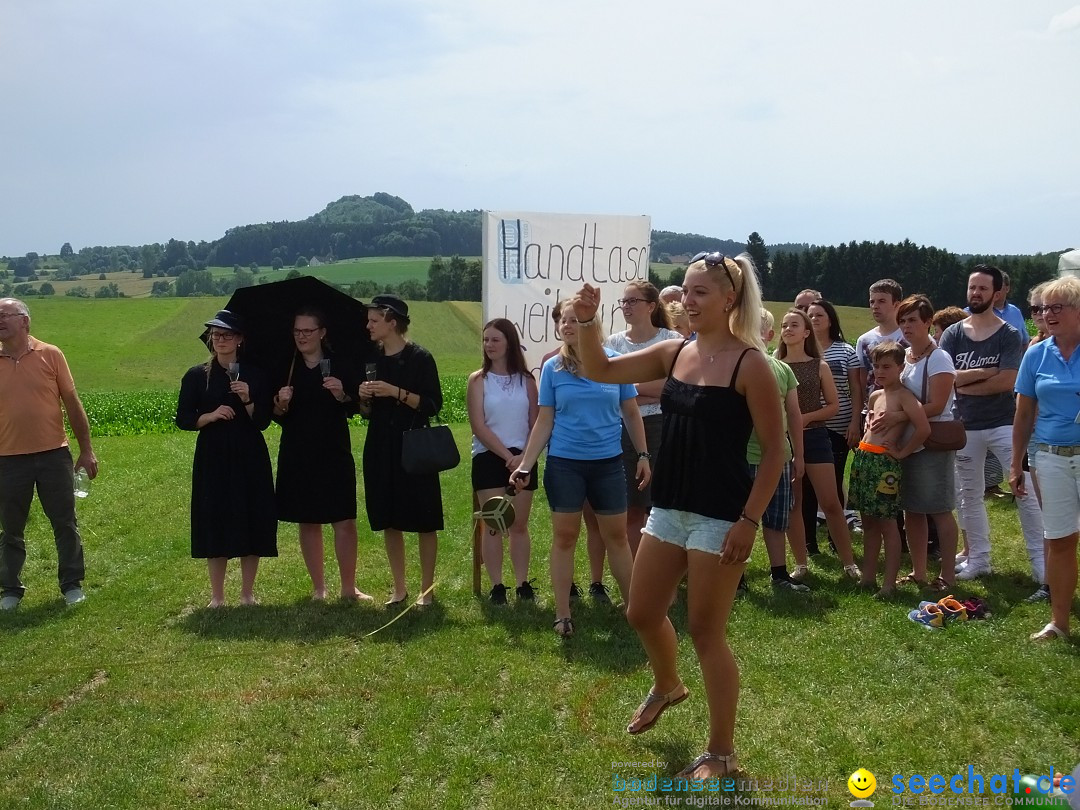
{"points": [[925, 376]]}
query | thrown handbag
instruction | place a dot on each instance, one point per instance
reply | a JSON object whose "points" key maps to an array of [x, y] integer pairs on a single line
{"points": [[429, 450], [943, 435]]}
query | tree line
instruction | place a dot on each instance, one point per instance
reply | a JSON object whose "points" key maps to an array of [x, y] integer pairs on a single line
{"points": [[385, 225]]}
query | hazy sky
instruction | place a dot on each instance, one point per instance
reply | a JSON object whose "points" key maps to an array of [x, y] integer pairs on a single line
{"points": [[955, 124]]}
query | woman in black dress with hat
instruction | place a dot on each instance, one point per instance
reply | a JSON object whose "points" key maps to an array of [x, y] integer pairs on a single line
{"points": [[316, 474], [232, 486], [404, 395]]}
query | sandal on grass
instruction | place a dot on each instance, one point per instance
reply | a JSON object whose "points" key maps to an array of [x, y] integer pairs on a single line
{"points": [[564, 627], [663, 701], [1048, 633], [911, 579], [727, 764]]}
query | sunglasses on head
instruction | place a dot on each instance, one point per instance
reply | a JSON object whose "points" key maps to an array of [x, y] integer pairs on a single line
{"points": [[715, 259]]}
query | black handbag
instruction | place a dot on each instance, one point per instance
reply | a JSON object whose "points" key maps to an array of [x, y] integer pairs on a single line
{"points": [[429, 450]]}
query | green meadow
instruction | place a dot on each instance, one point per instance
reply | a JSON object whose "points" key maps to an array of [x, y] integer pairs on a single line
{"points": [[143, 698]]}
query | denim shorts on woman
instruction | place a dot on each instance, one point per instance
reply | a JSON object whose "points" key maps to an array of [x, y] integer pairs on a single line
{"points": [[569, 482], [688, 530]]}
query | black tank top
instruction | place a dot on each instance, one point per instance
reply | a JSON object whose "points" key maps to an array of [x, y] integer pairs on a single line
{"points": [[701, 464]]}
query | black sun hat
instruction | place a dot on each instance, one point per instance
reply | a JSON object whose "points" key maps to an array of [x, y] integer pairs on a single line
{"points": [[392, 303], [226, 320]]}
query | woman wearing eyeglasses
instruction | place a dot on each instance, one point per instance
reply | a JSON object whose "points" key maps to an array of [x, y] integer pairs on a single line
{"points": [[648, 320], [232, 485], [316, 474], [1048, 398], [706, 508]]}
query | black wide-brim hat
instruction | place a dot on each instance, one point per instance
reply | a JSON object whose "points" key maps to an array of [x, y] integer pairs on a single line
{"points": [[392, 303], [226, 320]]}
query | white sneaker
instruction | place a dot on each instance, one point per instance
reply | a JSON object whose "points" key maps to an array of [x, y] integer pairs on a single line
{"points": [[74, 596], [852, 572], [10, 602], [961, 559], [972, 570]]}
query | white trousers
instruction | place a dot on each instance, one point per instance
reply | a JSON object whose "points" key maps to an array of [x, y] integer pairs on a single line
{"points": [[972, 479]]}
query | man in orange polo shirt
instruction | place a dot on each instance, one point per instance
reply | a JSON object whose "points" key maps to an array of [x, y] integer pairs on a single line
{"points": [[34, 381]]}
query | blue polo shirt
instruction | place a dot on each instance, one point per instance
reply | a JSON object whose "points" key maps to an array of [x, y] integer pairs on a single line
{"points": [[1054, 383], [588, 417]]}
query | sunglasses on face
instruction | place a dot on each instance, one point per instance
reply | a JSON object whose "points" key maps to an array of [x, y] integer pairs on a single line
{"points": [[715, 259]]}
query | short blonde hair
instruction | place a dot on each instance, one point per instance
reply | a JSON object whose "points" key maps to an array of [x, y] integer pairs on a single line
{"points": [[768, 321], [1065, 289]]}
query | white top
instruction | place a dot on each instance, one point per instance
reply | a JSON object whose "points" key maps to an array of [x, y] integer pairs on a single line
{"points": [[623, 345], [506, 411], [912, 379]]}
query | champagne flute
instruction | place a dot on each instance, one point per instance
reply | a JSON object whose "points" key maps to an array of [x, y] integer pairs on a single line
{"points": [[370, 370], [324, 367], [234, 372]]}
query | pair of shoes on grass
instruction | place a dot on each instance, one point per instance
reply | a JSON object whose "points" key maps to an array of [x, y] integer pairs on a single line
{"points": [[524, 593], [934, 615]]}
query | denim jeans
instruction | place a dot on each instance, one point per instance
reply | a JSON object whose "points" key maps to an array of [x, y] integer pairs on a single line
{"points": [[51, 471], [971, 476]]}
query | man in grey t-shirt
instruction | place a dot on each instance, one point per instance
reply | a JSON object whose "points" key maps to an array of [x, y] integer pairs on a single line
{"points": [[986, 353]]}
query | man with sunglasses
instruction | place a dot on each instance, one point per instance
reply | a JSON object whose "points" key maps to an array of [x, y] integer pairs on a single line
{"points": [[986, 353], [36, 381]]}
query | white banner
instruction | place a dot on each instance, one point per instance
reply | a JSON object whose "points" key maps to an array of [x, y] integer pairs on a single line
{"points": [[531, 261]]}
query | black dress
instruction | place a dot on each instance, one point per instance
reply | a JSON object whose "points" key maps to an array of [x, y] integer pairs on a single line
{"points": [[316, 473], [232, 485], [395, 499]]}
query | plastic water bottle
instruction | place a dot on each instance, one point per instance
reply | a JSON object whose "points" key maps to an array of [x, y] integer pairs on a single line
{"points": [[82, 483]]}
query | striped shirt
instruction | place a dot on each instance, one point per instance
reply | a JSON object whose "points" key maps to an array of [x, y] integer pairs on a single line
{"points": [[841, 359]]}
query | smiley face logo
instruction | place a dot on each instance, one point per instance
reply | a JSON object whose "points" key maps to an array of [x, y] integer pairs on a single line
{"points": [[862, 783]]}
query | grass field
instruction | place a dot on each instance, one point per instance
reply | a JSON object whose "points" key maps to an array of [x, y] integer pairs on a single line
{"points": [[142, 698], [127, 345]]}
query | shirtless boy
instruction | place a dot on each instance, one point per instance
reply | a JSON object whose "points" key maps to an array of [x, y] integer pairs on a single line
{"points": [[875, 471]]}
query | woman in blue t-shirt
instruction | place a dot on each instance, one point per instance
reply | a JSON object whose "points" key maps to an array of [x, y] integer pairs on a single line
{"points": [[580, 423]]}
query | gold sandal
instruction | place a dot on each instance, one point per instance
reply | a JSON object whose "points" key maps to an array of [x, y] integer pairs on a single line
{"points": [[665, 700], [729, 763]]}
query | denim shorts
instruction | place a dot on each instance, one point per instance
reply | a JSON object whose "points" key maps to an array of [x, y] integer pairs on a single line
{"points": [[817, 446], [569, 482], [688, 530]]}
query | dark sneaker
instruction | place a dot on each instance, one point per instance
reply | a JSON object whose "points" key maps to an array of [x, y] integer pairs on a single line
{"points": [[598, 593], [575, 591], [525, 591], [790, 585], [498, 595], [743, 589], [1040, 595]]}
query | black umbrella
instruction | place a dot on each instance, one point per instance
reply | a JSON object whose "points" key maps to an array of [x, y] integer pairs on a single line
{"points": [[267, 312]]}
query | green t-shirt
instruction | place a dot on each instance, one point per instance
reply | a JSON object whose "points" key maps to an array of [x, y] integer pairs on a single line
{"points": [[785, 381]]}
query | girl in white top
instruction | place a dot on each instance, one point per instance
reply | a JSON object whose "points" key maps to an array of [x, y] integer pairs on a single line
{"points": [[648, 320], [502, 403]]}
